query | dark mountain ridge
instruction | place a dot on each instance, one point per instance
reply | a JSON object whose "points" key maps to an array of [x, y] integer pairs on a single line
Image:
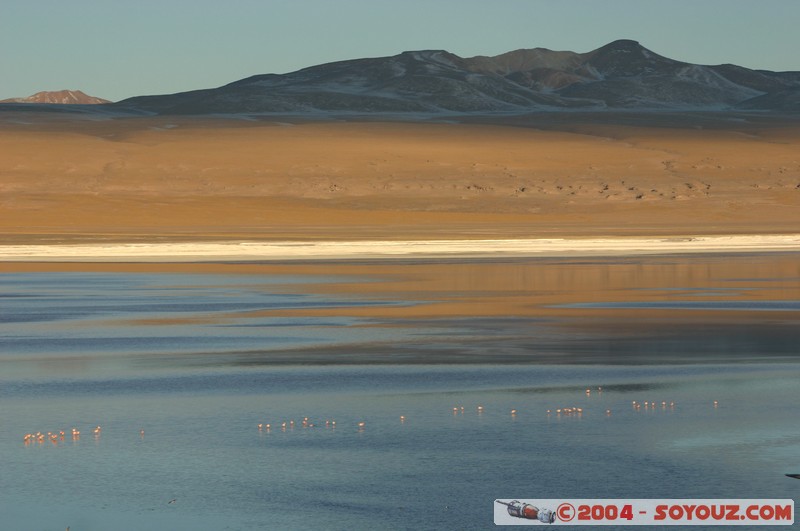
{"points": [[620, 75]]}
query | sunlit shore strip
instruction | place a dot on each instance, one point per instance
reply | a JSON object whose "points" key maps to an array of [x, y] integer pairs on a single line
{"points": [[344, 250]]}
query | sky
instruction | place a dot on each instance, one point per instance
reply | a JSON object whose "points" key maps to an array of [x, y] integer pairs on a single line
{"points": [[116, 49]]}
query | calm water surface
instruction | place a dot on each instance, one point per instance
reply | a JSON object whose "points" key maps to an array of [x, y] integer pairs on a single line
{"points": [[186, 358]]}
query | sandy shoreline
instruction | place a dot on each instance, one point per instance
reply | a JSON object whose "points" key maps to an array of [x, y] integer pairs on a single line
{"points": [[344, 250]]}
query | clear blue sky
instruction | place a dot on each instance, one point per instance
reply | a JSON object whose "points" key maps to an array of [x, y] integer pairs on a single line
{"points": [[117, 49]]}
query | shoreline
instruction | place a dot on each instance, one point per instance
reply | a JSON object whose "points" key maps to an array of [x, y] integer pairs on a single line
{"points": [[387, 249]]}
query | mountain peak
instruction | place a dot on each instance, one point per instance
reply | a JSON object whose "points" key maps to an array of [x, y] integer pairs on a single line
{"points": [[524, 60], [623, 44], [431, 56], [625, 58], [64, 97]]}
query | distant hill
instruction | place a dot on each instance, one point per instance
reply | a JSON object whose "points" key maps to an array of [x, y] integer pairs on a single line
{"points": [[619, 75], [62, 97]]}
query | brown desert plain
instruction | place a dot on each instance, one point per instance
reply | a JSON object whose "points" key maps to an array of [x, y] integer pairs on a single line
{"points": [[67, 179]]}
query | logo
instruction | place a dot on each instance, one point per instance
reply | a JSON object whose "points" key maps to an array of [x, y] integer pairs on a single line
{"points": [[682, 512], [527, 511]]}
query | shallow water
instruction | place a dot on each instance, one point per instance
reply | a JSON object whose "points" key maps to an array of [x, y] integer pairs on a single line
{"points": [[438, 469], [183, 358]]}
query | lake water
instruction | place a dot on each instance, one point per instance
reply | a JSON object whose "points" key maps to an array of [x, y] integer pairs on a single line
{"points": [[179, 370]]}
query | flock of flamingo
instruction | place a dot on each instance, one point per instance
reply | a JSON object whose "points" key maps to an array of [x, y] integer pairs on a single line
{"points": [[56, 437], [570, 411]]}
